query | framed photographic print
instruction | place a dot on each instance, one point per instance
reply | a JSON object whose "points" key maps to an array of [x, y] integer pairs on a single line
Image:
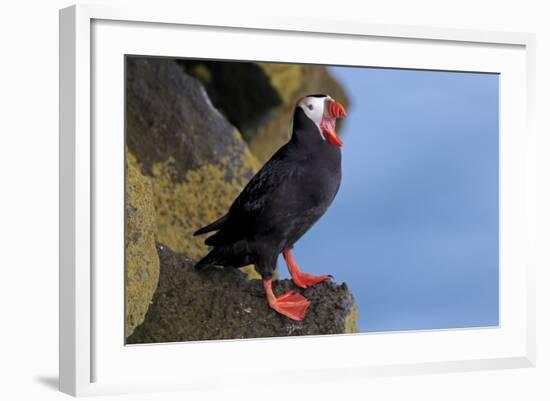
{"points": [[237, 190]]}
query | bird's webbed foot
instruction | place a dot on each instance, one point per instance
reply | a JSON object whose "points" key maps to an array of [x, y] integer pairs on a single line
{"points": [[304, 280], [290, 304], [301, 279]]}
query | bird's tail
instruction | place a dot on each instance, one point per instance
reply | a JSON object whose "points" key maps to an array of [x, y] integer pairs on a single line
{"points": [[218, 256], [233, 255], [212, 226]]}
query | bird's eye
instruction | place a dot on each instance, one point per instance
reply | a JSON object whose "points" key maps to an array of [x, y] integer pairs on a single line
{"points": [[310, 106]]}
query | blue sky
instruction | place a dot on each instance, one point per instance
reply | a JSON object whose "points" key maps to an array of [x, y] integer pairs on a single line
{"points": [[414, 228]]}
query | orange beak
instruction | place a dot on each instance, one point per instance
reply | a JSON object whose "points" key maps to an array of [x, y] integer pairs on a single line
{"points": [[333, 111], [337, 110]]}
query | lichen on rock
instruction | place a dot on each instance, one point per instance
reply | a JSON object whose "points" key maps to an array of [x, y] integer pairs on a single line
{"points": [[142, 261], [239, 89], [169, 115], [196, 160], [350, 325], [183, 207]]}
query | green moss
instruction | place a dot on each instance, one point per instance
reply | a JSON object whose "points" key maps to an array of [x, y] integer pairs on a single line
{"points": [[142, 262]]}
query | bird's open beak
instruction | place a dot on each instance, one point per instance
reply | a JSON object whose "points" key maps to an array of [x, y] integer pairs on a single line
{"points": [[333, 111]]}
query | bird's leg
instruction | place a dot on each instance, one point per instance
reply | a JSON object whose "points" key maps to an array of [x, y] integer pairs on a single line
{"points": [[290, 304], [300, 278]]}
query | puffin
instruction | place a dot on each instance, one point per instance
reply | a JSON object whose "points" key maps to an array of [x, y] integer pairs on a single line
{"points": [[281, 202]]}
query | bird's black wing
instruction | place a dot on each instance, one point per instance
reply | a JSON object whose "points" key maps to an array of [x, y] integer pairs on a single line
{"points": [[252, 211]]}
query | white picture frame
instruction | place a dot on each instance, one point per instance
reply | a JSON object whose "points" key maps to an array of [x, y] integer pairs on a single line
{"points": [[91, 40]]}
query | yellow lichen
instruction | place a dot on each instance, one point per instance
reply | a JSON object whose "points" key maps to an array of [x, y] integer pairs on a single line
{"points": [[182, 208], [248, 158], [142, 261], [286, 79], [350, 325], [201, 72], [251, 272], [204, 195]]}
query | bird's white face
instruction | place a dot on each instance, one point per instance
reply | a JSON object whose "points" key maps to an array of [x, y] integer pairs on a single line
{"points": [[314, 107], [323, 111]]}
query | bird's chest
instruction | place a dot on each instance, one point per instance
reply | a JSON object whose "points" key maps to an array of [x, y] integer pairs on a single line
{"points": [[312, 195], [315, 185], [318, 187]]}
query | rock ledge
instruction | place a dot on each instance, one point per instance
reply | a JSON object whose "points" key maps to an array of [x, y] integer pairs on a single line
{"points": [[225, 304]]}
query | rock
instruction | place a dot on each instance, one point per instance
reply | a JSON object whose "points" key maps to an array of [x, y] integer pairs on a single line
{"points": [[196, 160], [169, 115], [241, 91], [259, 98], [223, 304], [142, 261]]}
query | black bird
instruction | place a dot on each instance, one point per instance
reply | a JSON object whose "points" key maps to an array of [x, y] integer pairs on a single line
{"points": [[281, 202]]}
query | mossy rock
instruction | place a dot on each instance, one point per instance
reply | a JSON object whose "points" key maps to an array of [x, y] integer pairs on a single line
{"points": [[196, 160], [259, 98], [220, 304], [240, 90], [142, 261]]}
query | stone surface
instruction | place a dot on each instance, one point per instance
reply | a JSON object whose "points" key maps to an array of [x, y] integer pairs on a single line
{"points": [[142, 261], [241, 91], [259, 98], [223, 304]]}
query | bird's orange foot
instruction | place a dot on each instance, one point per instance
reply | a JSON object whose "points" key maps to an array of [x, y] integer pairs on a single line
{"points": [[300, 278], [290, 304], [304, 280]]}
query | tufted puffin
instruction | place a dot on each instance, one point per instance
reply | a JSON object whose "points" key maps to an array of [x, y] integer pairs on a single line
{"points": [[283, 201]]}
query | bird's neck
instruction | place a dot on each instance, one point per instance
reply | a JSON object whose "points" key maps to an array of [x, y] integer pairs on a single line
{"points": [[305, 132], [308, 141]]}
